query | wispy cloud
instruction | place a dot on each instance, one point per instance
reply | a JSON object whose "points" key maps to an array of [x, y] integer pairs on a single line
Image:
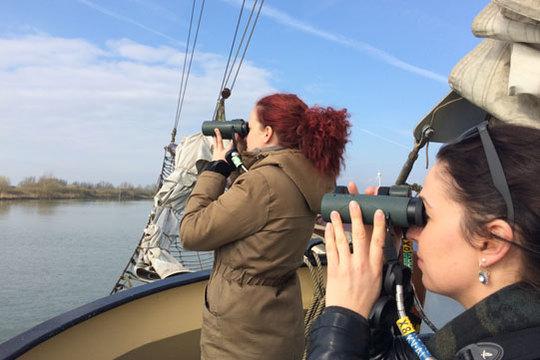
{"points": [[382, 138], [123, 18], [361, 46]]}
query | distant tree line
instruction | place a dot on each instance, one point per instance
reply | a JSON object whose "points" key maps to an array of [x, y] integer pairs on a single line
{"points": [[50, 187]]}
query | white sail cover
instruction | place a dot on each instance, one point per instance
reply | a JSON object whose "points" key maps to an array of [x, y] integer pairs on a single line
{"points": [[501, 75], [154, 258]]}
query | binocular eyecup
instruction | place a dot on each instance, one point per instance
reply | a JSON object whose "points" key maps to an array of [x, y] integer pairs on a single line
{"points": [[403, 211], [226, 128]]}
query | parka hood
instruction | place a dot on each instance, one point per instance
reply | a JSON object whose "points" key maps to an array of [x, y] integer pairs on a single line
{"points": [[311, 183]]}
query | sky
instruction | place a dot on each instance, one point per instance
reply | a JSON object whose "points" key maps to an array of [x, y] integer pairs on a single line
{"points": [[89, 88]]}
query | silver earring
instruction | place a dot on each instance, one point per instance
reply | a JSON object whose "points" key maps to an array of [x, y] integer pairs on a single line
{"points": [[483, 274]]}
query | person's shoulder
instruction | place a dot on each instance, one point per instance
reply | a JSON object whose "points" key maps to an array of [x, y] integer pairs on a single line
{"points": [[519, 344], [254, 178], [270, 177], [269, 165]]}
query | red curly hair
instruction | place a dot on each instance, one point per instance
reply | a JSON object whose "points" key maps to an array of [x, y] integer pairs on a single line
{"points": [[319, 133]]}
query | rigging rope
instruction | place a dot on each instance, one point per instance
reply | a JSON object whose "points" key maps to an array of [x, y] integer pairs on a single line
{"points": [[241, 45], [248, 41], [184, 66], [185, 74], [318, 299], [246, 27], [232, 47]]}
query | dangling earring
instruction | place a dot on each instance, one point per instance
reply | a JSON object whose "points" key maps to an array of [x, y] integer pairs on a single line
{"points": [[483, 274]]}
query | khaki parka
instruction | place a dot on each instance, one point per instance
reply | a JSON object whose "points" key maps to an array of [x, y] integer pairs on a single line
{"points": [[259, 229]]}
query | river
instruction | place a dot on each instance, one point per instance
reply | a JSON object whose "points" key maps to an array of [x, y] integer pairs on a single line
{"points": [[58, 255]]}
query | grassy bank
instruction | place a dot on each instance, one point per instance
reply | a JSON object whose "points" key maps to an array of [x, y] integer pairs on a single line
{"points": [[51, 188]]}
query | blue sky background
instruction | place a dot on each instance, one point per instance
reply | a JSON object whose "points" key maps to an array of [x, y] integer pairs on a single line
{"points": [[88, 88]]}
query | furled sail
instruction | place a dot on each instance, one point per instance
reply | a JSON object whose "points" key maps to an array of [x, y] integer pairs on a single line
{"points": [[501, 75], [159, 253]]}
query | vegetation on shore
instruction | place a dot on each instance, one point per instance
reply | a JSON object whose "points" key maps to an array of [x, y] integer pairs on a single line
{"points": [[51, 188]]}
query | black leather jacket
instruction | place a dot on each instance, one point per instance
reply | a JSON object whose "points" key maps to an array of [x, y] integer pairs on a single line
{"points": [[509, 318], [340, 333]]}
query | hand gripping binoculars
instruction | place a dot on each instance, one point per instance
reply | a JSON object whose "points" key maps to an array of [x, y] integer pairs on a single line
{"points": [[395, 201], [226, 128], [400, 209]]}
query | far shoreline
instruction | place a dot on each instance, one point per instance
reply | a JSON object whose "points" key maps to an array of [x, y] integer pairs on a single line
{"points": [[17, 198], [48, 187]]}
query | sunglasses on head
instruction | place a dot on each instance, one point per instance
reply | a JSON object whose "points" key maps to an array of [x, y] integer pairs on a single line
{"points": [[494, 164], [497, 176]]}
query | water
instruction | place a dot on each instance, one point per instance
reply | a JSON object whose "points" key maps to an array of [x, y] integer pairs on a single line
{"points": [[440, 310], [58, 255]]}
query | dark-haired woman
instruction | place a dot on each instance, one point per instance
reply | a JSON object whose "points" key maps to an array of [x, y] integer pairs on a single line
{"points": [[480, 246], [259, 228]]}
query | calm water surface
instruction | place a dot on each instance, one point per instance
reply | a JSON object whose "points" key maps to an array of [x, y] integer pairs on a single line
{"points": [[58, 255]]}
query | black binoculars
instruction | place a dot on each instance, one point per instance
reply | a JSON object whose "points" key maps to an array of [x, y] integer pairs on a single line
{"points": [[226, 128], [395, 201]]}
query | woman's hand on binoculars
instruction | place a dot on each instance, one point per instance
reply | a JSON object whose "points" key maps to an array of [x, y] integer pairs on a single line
{"points": [[219, 149], [353, 189], [370, 190], [354, 279]]}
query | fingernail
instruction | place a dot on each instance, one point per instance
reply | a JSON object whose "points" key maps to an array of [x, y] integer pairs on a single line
{"points": [[353, 205], [334, 214], [379, 214]]}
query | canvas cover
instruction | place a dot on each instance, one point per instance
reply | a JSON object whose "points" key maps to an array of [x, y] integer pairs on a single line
{"points": [[494, 23], [154, 255], [483, 78], [528, 10], [500, 76]]}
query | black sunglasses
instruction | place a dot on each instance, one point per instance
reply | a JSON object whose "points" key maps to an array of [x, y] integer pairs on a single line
{"points": [[494, 164]]}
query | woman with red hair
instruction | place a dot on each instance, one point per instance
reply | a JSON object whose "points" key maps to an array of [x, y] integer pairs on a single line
{"points": [[260, 227]]}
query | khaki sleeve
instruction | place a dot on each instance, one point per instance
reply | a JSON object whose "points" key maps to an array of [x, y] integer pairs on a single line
{"points": [[213, 218]]}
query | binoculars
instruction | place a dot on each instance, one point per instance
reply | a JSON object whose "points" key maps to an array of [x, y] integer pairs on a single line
{"points": [[226, 128], [396, 202]]}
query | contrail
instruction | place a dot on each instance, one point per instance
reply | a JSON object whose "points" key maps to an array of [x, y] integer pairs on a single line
{"points": [[287, 20], [128, 20], [383, 138], [162, 11]]}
